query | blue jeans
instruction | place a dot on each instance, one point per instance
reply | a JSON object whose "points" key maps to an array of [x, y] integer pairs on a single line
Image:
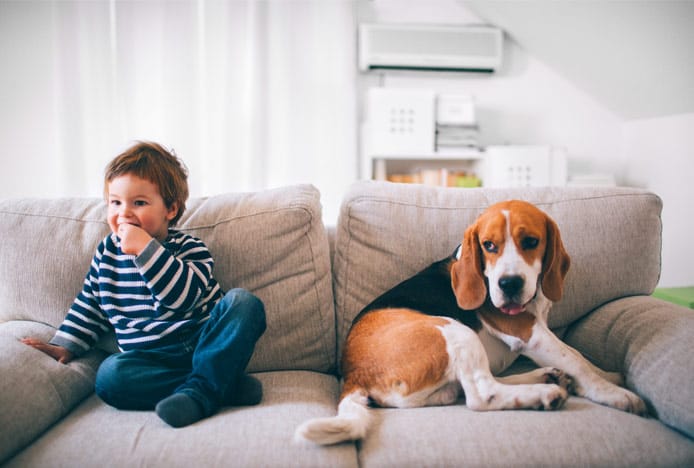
{"points": [[206, 367]]}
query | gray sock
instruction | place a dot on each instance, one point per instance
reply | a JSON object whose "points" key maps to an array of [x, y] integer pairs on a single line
{"points": [[248, 392], [179, 410]]}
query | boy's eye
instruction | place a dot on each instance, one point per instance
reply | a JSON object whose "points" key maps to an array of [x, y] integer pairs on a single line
{"points": [[115, 202], [140, 203]]}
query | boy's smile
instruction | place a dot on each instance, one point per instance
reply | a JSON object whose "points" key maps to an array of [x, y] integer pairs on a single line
{"points": [[136, 201]]}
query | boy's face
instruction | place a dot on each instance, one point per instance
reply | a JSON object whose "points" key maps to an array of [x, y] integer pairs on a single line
{"points": [[136, 201]]}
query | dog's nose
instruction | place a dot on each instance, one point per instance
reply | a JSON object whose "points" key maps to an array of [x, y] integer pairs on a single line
{"points": [[511, 285]]}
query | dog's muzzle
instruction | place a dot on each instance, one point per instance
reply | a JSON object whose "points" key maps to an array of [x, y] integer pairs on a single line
{"points": [[512, 288]]}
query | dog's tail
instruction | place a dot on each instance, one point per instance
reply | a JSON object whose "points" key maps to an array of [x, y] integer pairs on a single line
{"points": [[351, 423]]}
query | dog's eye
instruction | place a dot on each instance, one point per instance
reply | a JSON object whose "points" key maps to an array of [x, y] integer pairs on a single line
{"points": [[490, 246], [529, 243]]}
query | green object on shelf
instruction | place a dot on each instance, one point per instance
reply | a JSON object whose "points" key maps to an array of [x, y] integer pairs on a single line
{"points": [[682, 296], [468, 181]]}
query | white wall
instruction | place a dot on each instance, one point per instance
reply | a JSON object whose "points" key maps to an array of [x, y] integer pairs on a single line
{"points": [[632, 55], [661, 158]]}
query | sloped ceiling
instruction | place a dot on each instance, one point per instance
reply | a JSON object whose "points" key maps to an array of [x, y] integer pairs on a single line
{"points": [[635, 57]]}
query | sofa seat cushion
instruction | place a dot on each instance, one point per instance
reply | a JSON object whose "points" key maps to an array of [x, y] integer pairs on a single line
{"points": [[35, 390], [581, 434], [271, 242], [236, 436], [388, 232]]}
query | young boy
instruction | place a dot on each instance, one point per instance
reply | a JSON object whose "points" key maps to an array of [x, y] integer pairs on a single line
{"points": [[184, 344]]}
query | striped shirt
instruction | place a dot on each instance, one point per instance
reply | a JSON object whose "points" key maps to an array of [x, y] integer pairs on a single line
{"points": [[154, 299]]}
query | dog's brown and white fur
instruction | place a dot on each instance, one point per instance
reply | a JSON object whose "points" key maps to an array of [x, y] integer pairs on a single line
{"points": [[456, 324]]}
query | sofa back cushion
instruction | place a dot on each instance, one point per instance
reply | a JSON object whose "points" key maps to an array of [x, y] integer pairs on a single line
{"points": [[272, 243], [388, 232]]}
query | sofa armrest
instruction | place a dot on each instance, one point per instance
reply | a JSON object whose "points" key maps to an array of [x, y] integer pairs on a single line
{"points": [[650, 342], [35, 390]]}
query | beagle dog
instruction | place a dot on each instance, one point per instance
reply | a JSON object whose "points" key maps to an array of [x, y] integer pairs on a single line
{"points": [[455, 325]]}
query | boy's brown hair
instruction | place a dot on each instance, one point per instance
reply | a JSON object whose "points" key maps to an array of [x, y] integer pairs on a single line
{"points": [[151, 161]]}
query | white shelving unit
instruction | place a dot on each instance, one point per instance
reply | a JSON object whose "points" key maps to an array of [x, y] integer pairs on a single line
{"points": [[496, 166], [413, 136], [399, 136], [380, 166]]}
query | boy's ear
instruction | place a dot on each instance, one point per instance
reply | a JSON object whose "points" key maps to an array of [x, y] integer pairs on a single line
{"points": [[172, 211]]}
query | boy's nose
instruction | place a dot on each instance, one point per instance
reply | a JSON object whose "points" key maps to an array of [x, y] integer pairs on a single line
{"points": [[125, 211]]}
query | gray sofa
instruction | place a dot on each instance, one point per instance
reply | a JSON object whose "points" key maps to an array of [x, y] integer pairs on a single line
{"points": [[313, 281]]}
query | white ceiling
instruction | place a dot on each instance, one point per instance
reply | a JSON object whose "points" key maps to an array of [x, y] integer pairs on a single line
{"points": [[635, 57]]}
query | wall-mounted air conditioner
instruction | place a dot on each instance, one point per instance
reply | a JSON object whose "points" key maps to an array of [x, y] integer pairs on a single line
{"points": [[429, 47]]}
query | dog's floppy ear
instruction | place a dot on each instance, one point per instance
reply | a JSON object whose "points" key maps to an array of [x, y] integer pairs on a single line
{"points": [[466, 274], [555, 264]]}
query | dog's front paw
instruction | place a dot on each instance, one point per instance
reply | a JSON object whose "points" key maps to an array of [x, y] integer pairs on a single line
{"points": [[559, 377], [553, 397]]}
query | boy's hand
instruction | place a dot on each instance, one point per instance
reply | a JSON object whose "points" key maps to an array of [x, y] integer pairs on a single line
{"points": [[133, 239], [58, 353]]}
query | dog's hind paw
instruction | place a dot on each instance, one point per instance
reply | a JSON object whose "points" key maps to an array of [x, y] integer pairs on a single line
{"points": [[630, 402]]}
